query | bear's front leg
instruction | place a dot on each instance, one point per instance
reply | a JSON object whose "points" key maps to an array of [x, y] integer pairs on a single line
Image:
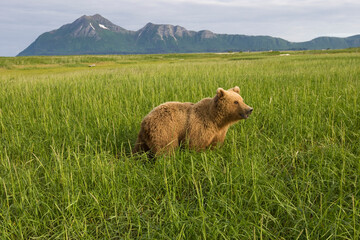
{"points": [[201, 142], [219, 138]]}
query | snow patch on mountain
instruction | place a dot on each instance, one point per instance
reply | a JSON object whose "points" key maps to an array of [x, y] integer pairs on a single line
{"points": [[102, 26]]}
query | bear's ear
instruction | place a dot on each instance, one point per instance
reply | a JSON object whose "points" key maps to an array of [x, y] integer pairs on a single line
{"points": [[236, 89], [220, 92]]}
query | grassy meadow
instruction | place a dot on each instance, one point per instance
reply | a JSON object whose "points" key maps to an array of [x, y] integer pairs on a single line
{"points": [[290, 171]]}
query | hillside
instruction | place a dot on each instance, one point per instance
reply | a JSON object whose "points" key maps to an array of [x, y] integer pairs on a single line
{"points": [[97, 35]]}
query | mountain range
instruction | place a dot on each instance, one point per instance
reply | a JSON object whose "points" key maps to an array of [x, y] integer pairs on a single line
{"points": [[97, 35]]}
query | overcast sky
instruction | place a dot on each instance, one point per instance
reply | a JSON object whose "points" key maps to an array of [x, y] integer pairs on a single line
{"points": [[22, 21]]}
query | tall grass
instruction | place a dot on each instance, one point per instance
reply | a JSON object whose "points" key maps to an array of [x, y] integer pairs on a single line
{"points": [[291, 171]]}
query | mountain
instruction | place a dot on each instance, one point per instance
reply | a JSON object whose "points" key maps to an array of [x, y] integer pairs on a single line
{"points": [[97, 35]]}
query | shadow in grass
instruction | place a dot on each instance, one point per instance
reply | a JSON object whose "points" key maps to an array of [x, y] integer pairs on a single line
{"points": [[245, 59]]}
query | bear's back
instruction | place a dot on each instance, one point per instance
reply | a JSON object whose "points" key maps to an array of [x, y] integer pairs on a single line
{"points": [[172, 115], [170, 110]]}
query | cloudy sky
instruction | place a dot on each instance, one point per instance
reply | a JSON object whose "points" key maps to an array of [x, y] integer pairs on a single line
{"points": [[22, 21]]}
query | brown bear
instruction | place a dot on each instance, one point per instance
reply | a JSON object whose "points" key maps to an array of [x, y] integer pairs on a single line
{"points": [[200, 125]]}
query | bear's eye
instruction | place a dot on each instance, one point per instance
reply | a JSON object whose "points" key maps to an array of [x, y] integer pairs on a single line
{"points": [[236, 102]]}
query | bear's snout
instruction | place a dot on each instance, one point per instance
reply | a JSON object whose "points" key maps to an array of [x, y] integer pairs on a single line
{"points": [[246, 113]]}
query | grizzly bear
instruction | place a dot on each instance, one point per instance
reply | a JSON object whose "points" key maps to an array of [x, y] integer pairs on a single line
{"points": [[200, 125]]}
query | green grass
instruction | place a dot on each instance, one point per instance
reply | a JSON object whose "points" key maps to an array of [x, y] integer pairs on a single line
{"points": [[290, 171]]}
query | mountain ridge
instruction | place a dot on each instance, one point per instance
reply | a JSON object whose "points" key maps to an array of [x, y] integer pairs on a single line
{"points": [[97, 35]]}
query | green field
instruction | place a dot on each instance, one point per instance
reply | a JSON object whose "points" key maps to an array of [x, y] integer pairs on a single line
{"points": [[290, 171]]}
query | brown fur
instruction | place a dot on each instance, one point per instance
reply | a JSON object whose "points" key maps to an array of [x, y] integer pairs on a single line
{"points": [[200, 125]]}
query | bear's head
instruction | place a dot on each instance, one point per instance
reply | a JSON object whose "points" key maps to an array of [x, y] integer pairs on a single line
{"points": [[231, 104]]}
